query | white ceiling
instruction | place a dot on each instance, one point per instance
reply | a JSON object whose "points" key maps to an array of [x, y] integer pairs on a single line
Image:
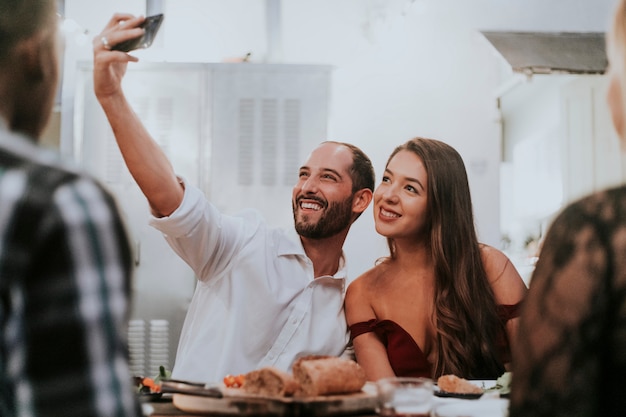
{"points": [[531, 15]]}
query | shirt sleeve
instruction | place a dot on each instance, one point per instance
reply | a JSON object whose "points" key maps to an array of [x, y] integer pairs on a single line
{"points": [[207, 240]]}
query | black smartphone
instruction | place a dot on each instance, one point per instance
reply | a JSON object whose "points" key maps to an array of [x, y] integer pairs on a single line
{"points": [[151, 26]]}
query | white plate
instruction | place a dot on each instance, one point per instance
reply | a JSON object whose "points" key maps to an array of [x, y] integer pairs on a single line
{"points": [[497, 407], [483, 383]]}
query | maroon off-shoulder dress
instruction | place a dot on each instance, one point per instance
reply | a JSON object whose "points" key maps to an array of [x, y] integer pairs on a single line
{"points": [[406, 357]]}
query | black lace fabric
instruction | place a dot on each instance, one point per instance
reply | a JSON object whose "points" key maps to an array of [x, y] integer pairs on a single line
{"points": [[570, 356]]}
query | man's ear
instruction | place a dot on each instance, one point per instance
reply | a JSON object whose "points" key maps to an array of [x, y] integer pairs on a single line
{"points": [[362, 199]]}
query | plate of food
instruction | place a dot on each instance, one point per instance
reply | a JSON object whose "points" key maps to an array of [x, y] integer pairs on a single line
{"points": [[452, 386], [149, 388], [317, 386]]}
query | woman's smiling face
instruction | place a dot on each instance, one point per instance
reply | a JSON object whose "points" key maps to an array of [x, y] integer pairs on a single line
{"points": [[400, 200]]}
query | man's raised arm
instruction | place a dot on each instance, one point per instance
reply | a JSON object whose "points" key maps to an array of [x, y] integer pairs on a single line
{"points": [[144, 158]]}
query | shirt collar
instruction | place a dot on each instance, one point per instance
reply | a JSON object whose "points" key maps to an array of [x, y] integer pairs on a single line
{"points": [[16, 142], [293, 246], [28, 148]]}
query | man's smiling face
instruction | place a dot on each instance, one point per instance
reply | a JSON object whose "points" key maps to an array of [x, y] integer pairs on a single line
{"points": [[322, 197]]}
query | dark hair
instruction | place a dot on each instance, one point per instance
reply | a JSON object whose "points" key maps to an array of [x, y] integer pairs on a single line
{"points": [[466, 313], [362, 170], [20, 19]]}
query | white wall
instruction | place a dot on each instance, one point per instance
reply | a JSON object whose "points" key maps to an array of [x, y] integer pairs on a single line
{"points": [[403, 68]]}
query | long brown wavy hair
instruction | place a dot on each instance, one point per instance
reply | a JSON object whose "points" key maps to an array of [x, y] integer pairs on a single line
{"points": [[466, 314]]}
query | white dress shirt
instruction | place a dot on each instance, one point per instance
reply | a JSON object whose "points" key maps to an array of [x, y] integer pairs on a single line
{"points": [[256, 302]]}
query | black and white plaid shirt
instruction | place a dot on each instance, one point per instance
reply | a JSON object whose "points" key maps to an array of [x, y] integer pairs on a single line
{"points": [[65, 267]]}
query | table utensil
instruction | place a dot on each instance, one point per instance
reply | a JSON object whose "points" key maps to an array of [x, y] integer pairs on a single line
{"points": [[191, 388]]}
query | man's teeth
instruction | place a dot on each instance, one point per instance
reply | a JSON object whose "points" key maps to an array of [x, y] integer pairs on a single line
{"points": [[388, 213], [311, 206]]}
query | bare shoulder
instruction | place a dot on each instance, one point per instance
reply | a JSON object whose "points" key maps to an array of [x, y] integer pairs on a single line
{"points": [[360, 296], [508, 286], [493, 259], [362, 284]]}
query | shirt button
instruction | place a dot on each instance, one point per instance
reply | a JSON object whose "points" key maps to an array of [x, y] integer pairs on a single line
{"points": [[294, 321], [271, 357]]}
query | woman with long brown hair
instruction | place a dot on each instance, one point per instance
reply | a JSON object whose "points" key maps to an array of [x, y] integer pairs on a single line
{"points": [[441, 302]]}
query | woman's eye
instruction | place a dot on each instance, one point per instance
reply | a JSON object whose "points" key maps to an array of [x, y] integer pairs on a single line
{"points": [[411, 188], [385, 179]]}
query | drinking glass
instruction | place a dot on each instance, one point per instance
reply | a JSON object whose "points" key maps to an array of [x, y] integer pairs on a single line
{"points": [[405, 397]]}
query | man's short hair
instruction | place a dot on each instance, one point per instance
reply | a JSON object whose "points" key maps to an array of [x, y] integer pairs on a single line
{"points": [[361, 171]]}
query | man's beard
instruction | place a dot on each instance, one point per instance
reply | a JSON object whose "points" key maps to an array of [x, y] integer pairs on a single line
{"points": [[337, 217]]}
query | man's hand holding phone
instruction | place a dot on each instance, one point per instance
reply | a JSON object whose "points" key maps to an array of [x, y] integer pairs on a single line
{"points": [[123, 33], [150, 26]]}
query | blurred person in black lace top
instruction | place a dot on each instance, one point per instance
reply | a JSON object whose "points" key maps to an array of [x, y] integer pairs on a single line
{"points": [[570, 358]]}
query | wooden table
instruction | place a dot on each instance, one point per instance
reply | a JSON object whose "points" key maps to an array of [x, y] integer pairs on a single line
{"points": [[165, 408], [161, 408]]}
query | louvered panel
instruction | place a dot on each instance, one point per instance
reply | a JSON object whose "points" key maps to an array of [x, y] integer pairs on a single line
{"points": [[269, 139], [245, 166], [292, 138]]}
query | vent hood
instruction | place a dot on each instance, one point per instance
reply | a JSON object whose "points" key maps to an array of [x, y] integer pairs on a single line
{"points": [[551, 52]]}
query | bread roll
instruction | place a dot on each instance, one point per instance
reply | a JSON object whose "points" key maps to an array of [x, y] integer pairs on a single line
{"points": [[270, 381], [452, 383], [327, 375]]}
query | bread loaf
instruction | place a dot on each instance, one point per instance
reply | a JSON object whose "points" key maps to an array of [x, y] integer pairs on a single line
{"points": [[270, 381], [327, 375], [452, 383]]}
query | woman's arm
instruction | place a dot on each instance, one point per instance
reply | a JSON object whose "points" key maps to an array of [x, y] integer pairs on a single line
{"points": [[507, 285], [369, 350]]}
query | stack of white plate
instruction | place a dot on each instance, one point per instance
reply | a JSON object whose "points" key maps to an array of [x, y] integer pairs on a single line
{"points": [[159, 346], [136, 347]]}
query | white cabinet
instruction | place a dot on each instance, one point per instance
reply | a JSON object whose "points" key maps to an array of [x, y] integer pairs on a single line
{"points": [[559, 145], [239, 131], [590, 148]]}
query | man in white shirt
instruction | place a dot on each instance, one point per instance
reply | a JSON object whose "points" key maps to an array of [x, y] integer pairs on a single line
{"points": [[265, 296]]}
